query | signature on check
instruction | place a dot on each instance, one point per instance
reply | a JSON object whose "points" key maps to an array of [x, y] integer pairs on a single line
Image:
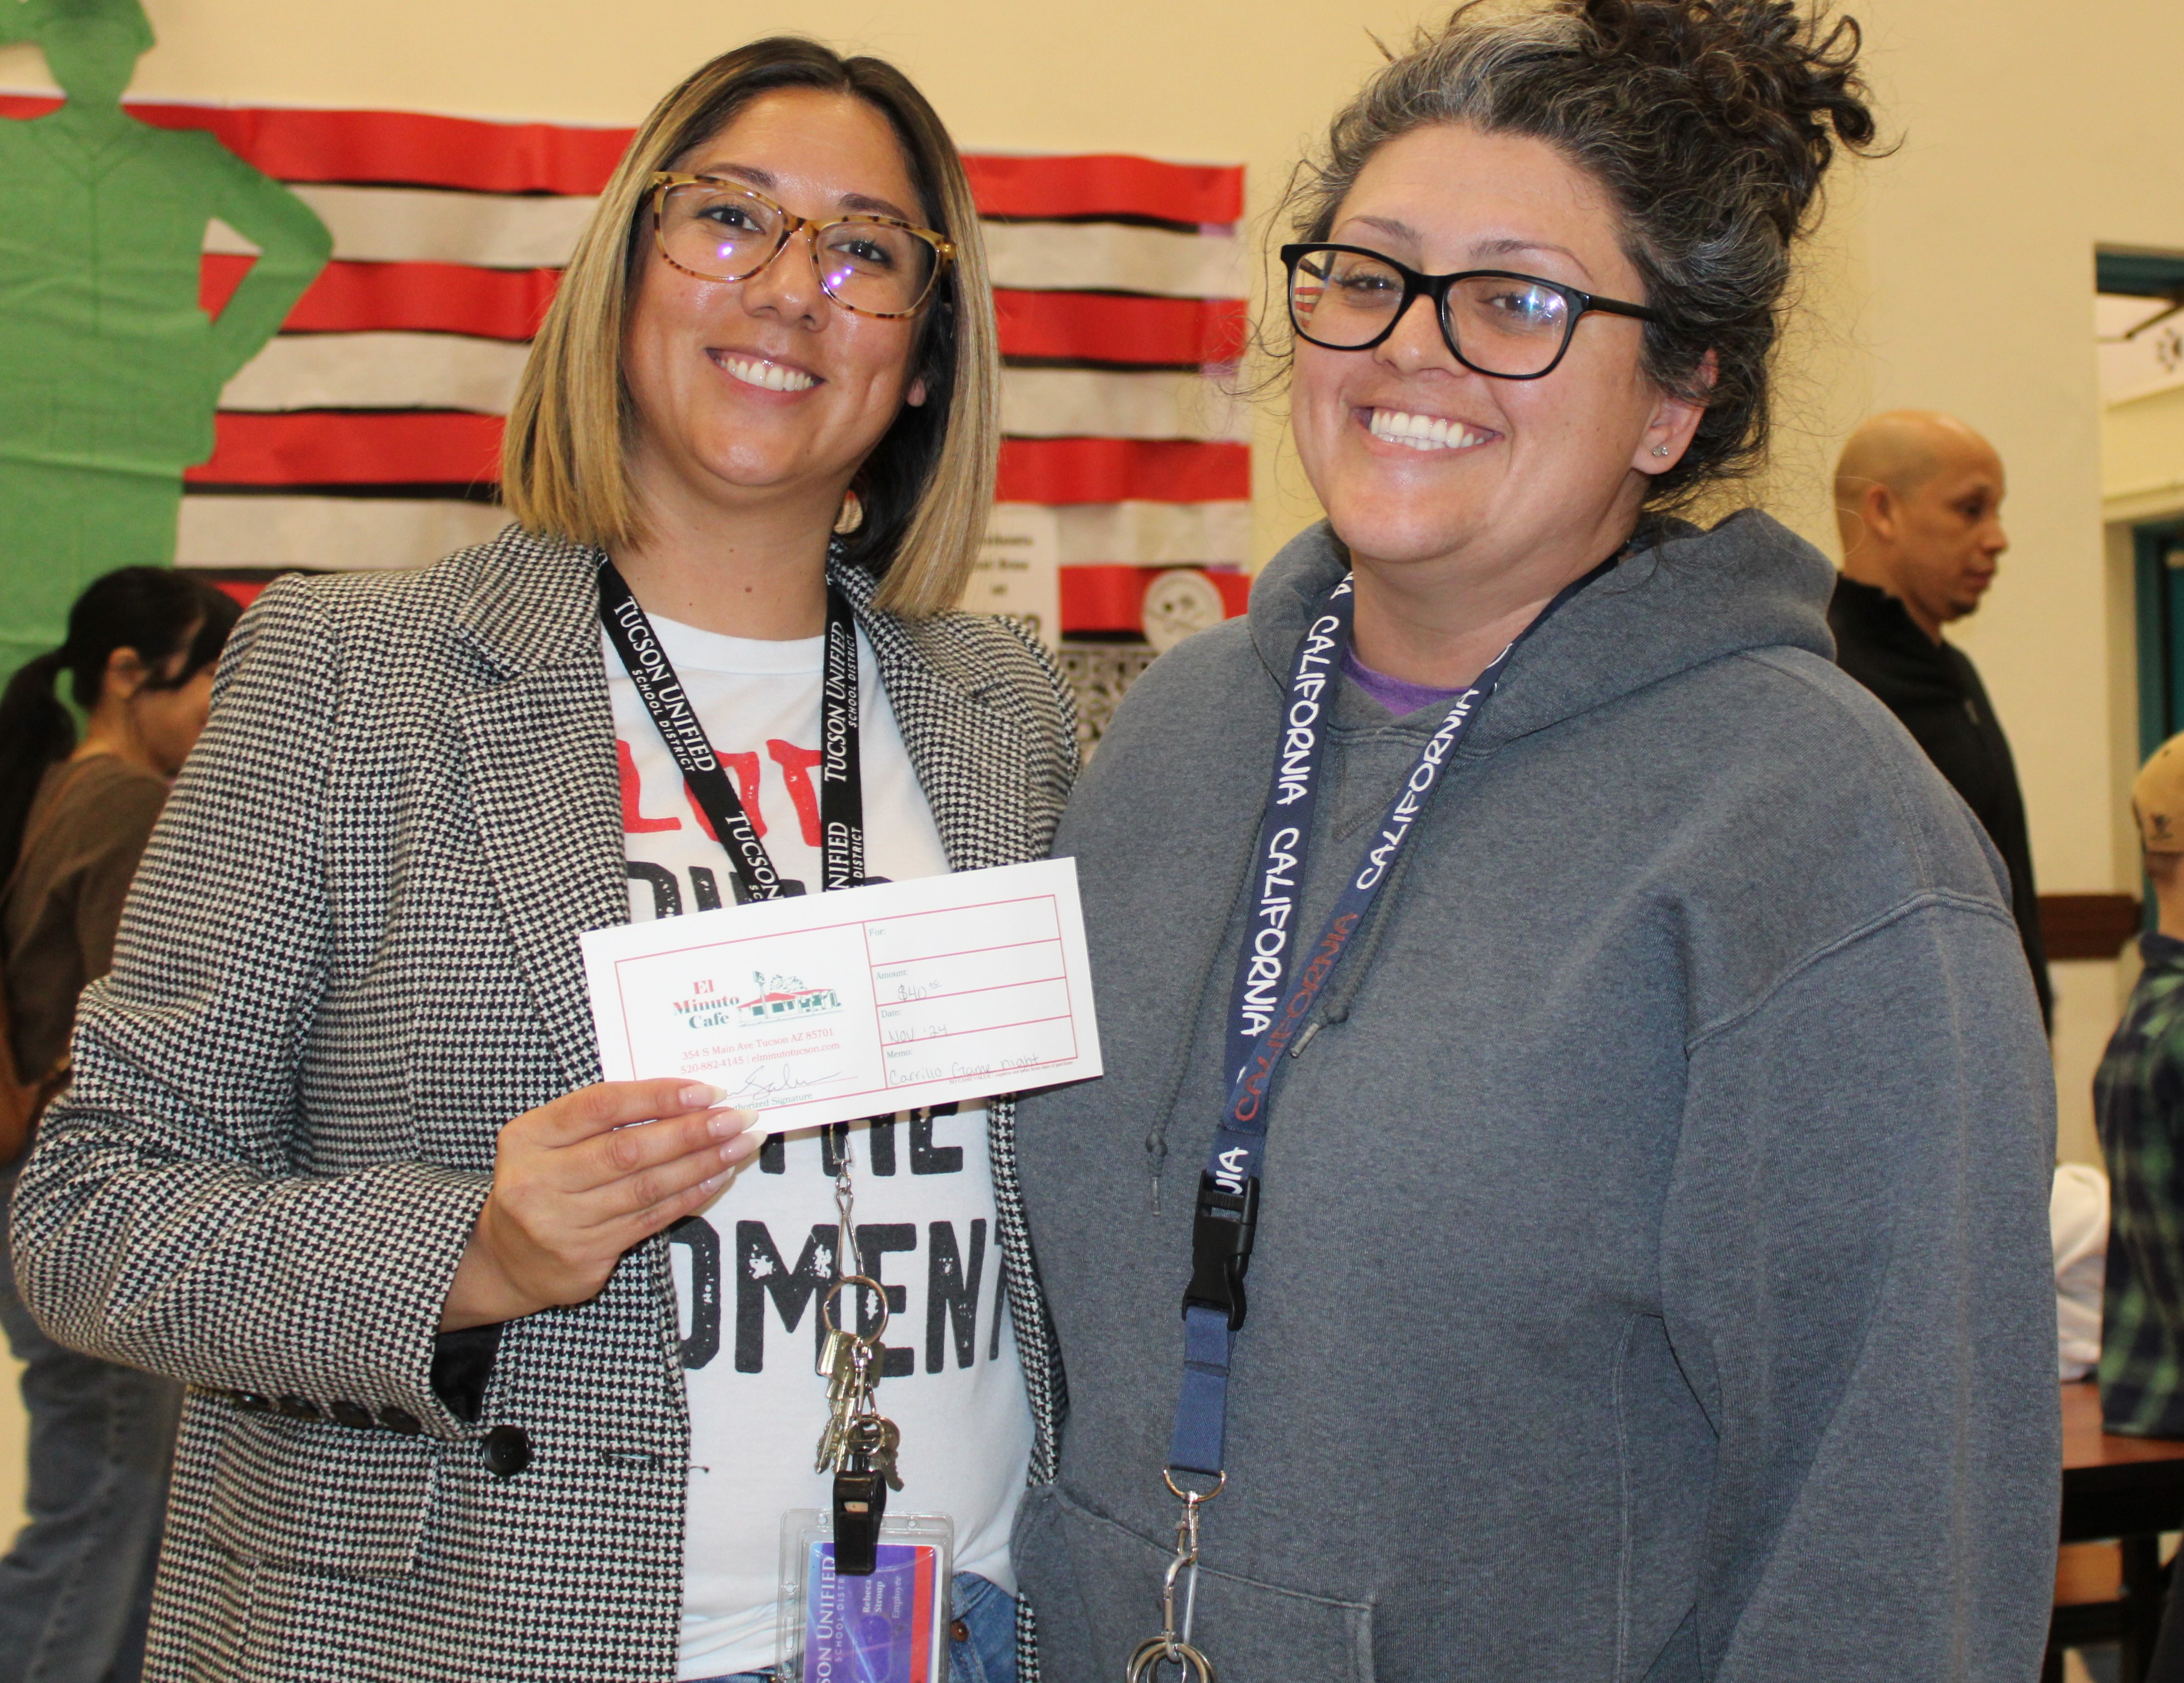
{"points": [[764, 1083]]}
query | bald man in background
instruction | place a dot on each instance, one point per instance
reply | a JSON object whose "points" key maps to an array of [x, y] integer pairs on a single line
{"points": [[1919, 502]]}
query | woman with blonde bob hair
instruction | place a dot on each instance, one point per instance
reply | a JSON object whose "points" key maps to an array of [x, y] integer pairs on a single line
{"points": [[497, 1368]]}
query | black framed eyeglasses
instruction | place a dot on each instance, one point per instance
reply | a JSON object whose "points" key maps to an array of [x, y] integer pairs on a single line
{"points": [[1503, 325]]}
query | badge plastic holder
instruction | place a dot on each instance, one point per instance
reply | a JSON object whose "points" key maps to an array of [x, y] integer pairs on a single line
{"points": [[889, 1627]]}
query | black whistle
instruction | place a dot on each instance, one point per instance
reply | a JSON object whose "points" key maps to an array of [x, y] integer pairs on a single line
{"points": [[860, 1504]]}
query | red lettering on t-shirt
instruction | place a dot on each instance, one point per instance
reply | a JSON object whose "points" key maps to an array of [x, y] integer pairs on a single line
{"points": [[633, 822], [796, 766], [745, 767]]}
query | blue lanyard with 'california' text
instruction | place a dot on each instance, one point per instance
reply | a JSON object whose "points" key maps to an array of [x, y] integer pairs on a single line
{"points": [[1272, 998]]}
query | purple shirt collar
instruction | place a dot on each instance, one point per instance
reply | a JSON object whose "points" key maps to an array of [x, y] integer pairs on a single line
{"points": [[1398, 697]]}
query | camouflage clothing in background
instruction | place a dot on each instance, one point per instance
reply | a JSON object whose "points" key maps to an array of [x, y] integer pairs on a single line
{"points": [[2138, 1102]]}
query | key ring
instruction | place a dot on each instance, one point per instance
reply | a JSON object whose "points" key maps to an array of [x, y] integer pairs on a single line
{"points": [[1145, 1663], [879, 1294], [1192, 1498]]}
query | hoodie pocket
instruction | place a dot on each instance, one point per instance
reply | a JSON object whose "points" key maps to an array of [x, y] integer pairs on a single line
{"points": [[1095, 1585], [1665, 1460]]}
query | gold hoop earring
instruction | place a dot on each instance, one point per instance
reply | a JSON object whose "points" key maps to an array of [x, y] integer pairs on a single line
{"points": [[852, 515]]}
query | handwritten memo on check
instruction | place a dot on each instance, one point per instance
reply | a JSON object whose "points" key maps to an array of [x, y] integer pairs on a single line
{"points": [[820, 1008]]}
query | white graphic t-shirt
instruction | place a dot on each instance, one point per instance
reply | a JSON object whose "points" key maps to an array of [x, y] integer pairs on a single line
{"points": [[750, 1270]]}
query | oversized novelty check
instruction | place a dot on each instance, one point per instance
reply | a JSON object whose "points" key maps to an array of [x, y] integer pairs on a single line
{"points": [[820, 1008]]}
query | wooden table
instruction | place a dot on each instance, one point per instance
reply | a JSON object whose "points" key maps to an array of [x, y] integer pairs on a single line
{"points": [[2131, 1490]]}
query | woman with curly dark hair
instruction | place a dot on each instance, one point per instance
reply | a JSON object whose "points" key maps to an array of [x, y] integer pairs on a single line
{"points": [[1594, 1029]]}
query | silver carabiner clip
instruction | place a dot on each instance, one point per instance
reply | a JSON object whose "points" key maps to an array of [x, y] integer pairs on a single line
{"points": [[1172, 1647]]}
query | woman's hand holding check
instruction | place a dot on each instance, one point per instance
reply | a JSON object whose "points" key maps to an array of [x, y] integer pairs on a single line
{"points": [[579, 1182]]}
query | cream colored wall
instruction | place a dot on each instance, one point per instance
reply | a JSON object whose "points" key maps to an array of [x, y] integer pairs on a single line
{"points": [[1959, 278], [2143, 455], [1955, 275], [2026, 143], [1966, 286]]}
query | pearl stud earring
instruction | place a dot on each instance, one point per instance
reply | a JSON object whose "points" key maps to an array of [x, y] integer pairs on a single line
{"points": [[1660, 450]]}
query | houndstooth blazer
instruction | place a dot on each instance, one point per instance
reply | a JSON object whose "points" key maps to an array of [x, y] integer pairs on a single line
{"points": [[351, 956]]}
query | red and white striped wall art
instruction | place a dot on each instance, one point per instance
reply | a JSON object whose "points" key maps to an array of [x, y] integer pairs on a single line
{"points": [[367, 433]]}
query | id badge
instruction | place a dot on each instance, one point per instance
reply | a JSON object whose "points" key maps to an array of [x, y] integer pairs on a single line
{"points": [[889, 1627]]}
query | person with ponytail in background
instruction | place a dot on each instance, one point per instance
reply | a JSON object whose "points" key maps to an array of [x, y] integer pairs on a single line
{"points": [[75, 817]]}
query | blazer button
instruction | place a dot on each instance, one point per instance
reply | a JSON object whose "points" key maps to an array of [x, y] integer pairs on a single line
{"points": [[298, 1407], [252, 1400], [507, 1451], [400, 1420], [351, 1415]]}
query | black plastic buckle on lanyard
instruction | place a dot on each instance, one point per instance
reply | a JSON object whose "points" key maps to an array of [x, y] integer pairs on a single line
{"points": [[1221, 1236]]}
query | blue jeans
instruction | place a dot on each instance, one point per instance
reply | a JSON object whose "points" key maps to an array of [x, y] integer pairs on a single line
{"points": [[982, 1646], [75, 1590]]}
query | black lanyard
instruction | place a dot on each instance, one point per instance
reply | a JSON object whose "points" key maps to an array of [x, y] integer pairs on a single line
{"points": [[1272, 997], [841, 793]]}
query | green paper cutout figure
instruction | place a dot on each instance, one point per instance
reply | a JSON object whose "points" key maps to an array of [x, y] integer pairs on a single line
{"points": [[109, 371]]}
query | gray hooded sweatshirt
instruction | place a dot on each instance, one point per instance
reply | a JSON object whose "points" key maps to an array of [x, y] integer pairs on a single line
{"points": [[1652, 1273]]}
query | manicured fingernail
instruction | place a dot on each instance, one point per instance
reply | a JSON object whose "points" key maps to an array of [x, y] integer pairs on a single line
{"points": [[697, 1096], [715, 1185], [744, 1146], [723, 1124]]}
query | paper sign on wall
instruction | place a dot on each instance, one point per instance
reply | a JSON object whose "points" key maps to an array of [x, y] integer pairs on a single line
{"points": [[1019, 569]]}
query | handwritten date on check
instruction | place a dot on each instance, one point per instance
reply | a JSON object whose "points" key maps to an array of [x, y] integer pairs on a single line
{"points": [[820, 1008]]}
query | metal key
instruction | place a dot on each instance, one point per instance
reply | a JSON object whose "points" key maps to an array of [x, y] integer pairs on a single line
{"points": [[873, 1439], [834, 1440], [844, 1354], [833, 1355], [850, 1360], [830, 1445], [845, 1374], [847, 1398]]}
